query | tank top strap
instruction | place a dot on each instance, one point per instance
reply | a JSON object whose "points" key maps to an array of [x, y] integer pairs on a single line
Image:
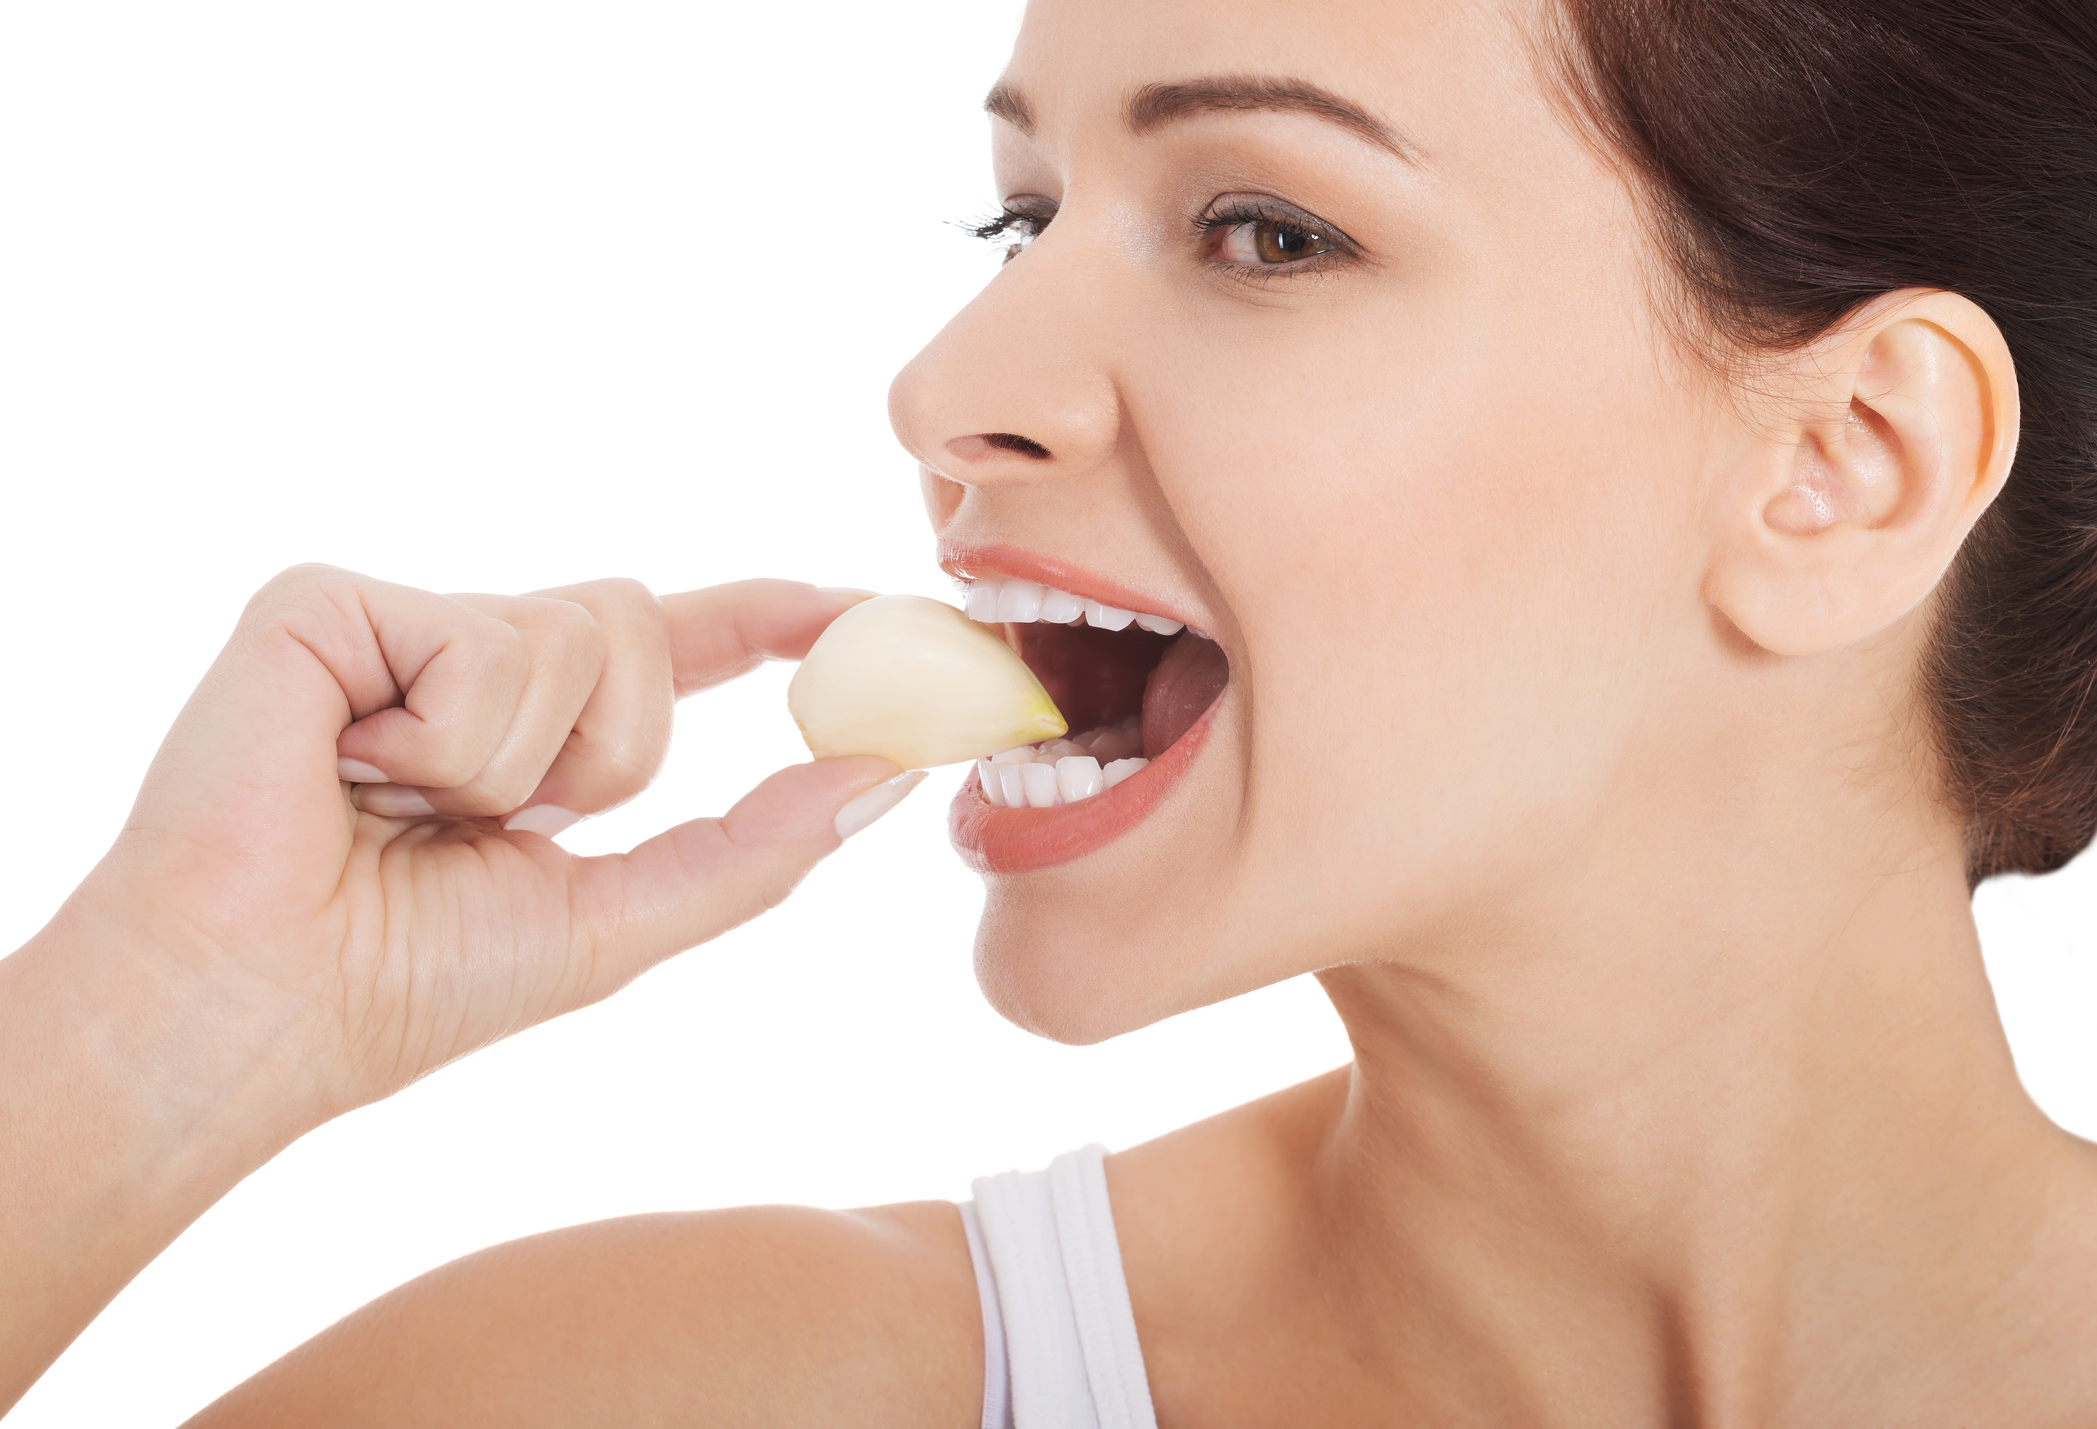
{"points": [[997, 1382], [1060, 1346]]}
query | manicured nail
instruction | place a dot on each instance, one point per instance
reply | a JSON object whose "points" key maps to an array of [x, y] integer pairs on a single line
{"points": [[392, 801], [356, 771], [875, 802], [545, 820], [844, 590]]}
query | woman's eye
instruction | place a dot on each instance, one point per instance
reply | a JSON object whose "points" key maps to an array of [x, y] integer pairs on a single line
{"points": [[1012, 228], [1264, 241]]}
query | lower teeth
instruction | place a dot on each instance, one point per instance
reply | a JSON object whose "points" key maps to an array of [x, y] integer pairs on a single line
{"points": [[1062, 771]]}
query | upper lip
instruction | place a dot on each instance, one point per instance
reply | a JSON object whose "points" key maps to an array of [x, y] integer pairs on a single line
{"points": [[970, 562]]}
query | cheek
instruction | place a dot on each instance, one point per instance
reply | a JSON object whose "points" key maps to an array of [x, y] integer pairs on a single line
{"points": [[1447, 568]]}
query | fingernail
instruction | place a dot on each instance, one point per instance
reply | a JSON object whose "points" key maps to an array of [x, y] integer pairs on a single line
{"points": [[867, 807], [356, 771], [392, 801], [844, 590], [545, 820]]}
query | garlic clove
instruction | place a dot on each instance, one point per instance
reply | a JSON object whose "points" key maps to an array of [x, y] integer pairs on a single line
{"points": [[917, 682]]}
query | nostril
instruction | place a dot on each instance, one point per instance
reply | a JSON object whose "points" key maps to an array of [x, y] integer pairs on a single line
{"points": [[977, 447], [1012, 442]]}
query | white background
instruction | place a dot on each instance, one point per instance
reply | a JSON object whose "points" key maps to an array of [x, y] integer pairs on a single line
{"points": [[492, 297]]}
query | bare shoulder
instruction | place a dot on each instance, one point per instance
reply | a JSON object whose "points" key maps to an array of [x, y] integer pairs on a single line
{"points": [[761, 1316]]}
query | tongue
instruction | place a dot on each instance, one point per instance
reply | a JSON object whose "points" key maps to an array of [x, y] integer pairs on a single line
{"points": [[1186, 682]]}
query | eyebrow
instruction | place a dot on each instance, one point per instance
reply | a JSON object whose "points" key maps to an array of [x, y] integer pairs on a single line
{"points": [[1006, 103], [1156, 105]]}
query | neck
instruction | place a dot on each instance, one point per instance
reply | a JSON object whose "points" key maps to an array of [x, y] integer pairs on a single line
{"points": [[1671, 1156]]}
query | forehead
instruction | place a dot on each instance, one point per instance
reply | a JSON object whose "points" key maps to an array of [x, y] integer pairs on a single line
{"points": [[1437, 70]]}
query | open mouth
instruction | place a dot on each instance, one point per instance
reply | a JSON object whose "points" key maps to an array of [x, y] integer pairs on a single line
{"points": [[1133, 685], [1129, 684]]}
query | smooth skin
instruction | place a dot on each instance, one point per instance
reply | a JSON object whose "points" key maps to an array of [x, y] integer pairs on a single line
{"points": [[1572, 739]]}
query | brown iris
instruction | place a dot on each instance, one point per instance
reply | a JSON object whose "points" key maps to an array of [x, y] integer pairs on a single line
{"points": [[1277, 243]]}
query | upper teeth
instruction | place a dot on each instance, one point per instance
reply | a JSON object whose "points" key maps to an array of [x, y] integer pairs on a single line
{"points": [[1024, 602]]}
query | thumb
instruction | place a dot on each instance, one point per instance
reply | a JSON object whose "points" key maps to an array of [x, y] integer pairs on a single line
{"points": [[698, 880]]}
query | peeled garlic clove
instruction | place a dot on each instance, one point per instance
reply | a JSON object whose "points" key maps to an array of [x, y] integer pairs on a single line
{"points": [[917, 682]]}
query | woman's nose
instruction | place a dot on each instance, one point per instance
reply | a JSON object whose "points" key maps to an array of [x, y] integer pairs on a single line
{"points": [[1015, 388]]}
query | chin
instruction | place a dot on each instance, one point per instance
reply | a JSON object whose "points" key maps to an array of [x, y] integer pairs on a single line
{"points": [[1071, 985], [1104, 945]]}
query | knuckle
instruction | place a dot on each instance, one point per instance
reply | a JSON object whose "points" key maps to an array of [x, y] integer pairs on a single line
{"points": [[626, 592], [304, 575], [605, 592], [562, 627], [298, 585], [576, 637], [503, 653], [486, 665], [308, 603], [572, 620]]}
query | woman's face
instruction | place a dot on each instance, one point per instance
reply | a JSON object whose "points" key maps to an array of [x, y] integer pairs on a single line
{"points": [[1337, 344]]}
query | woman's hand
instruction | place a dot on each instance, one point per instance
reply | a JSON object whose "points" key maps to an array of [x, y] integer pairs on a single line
{"points": [[278, 936], [400, 924]]}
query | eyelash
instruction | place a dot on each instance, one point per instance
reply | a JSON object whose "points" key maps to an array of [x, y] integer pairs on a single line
{"points": [[1004, 223], [1213, 225]]}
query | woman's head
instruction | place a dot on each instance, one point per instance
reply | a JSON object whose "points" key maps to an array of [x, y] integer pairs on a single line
{"points": [[1354, 338]]}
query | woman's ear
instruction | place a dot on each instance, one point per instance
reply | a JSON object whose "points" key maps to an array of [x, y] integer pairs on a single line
{"points": [[1842, 514]]}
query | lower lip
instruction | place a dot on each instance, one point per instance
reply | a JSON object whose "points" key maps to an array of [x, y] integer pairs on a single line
{"points": [[995, 840]]}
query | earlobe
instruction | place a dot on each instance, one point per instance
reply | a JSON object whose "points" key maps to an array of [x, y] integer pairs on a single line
{"points": [[1896, 432]]}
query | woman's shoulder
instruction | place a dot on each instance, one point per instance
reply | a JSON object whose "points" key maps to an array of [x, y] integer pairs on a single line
{"points": [[757, 1316]]}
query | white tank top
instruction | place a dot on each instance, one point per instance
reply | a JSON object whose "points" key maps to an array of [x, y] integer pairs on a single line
{"points": [[1059, 1339]]}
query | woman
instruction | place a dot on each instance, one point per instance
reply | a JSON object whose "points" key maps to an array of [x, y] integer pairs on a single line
{"points": [[1621, 471]]}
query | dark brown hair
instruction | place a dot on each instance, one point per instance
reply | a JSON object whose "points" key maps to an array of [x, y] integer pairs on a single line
{"points": [[1806, 156]]}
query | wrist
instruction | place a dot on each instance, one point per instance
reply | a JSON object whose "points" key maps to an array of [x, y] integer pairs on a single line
{"points": [[133, 1099], [161, 1082], [195, 1051]]}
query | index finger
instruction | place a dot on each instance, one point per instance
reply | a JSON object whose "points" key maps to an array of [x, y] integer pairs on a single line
{"points": [[729, 630]]}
